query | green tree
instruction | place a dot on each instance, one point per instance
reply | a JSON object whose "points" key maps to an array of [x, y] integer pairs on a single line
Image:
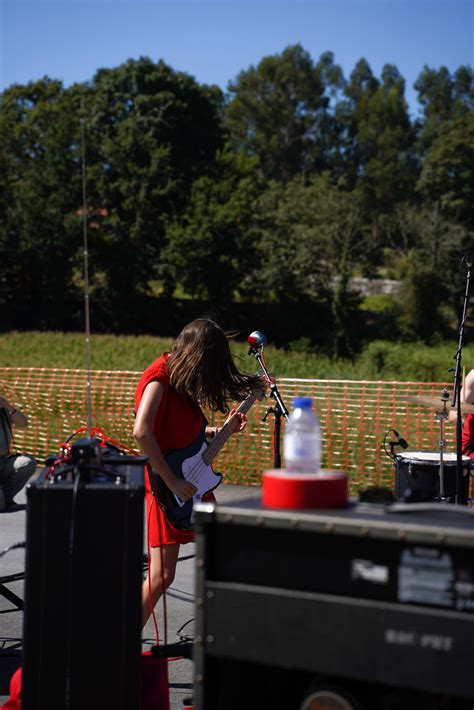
{"points": [[382, 137], [421, 295], [447, 175], [310, 238], [278, 111], [425, 248], [40, 236], [444, 97], [289, 265], [155, 131], [209, 249]]}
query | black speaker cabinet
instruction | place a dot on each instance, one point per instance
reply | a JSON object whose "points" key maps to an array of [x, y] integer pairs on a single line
{"points": [[375, 601], [82, 617]]}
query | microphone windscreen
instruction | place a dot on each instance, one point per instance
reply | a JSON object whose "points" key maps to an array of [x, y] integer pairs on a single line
{"points": [[257, 339]]}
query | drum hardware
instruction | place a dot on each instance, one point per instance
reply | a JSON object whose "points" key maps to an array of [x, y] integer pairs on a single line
{"points": [[441, 415], [399, 442], [439, 404], [434, 403]]}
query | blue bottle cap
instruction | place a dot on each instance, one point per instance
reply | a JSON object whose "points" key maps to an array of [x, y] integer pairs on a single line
{"points": [[302, 402]]}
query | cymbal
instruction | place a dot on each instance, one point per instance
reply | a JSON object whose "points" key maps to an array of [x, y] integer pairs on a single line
{"points": [[437, 404]]}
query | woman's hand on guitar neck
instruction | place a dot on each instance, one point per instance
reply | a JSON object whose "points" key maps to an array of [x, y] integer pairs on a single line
{"points": [[182, 488], [236, 421]]}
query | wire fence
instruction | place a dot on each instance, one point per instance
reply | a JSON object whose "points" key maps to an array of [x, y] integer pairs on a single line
{"points": [[355, 417]]}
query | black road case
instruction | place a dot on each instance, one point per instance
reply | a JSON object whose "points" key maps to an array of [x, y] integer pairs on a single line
{"points": [[82, 618], [378, 600]]}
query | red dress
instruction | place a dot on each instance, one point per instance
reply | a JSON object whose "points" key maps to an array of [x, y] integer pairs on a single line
{"points": [[468, 436], [177, 423]]}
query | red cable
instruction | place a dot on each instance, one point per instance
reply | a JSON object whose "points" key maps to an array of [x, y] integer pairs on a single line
{"points": [[266, 377], [65, 448], [105, 439]]}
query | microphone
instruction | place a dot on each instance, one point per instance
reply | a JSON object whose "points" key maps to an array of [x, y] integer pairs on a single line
{"points": [[257, 341], [402, 442]]}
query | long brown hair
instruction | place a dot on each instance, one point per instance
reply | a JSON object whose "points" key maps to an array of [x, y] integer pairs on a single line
{"points": [[201, 366]]}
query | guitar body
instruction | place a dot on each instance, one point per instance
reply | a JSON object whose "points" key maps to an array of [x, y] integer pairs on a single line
{"points": [[193, 463], [187, 463]]}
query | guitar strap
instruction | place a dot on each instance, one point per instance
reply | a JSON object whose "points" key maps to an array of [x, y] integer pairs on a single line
{"points": [[153, 481]]}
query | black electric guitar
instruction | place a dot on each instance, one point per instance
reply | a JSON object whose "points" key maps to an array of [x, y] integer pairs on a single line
{"points": [[193, 463]]}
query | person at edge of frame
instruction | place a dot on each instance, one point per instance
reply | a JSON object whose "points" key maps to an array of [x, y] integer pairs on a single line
{"points": [[467, 395], [199, 371], [15, 469]]}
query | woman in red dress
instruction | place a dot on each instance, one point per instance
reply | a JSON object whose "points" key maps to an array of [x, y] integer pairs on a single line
{"points": [[199, 371]]}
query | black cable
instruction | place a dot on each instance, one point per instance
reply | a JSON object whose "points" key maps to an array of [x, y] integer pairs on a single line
{"points": [[183, 649], [390, 455], [16, 546], [185, 637], [187, 557]]}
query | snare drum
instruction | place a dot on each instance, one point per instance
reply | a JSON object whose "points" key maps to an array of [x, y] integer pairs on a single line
{"points": [[417, 476]]}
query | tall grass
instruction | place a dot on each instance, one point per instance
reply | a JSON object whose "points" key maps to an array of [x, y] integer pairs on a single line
{"points": [[380, 360]]}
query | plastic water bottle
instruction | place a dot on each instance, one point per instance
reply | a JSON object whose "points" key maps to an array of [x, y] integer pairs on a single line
{"points": [[302, 439]]}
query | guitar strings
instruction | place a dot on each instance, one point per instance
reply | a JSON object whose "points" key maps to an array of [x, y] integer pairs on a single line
{"points": [[200, 466]]}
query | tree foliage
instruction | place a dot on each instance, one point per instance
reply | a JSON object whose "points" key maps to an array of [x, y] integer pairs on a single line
{"points": [[40, 190], [279, 112], [156, 131], [278, 192], [209, 250], [447, 175]]}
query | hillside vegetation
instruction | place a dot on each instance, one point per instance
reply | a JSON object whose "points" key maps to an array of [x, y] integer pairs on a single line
{"points": [[378, 360]]}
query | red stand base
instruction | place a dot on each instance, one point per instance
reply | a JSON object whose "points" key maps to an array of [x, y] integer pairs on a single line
{"points": [[328, 489]]}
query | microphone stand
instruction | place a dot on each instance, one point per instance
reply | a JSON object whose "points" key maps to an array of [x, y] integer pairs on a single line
{"points": [[460, 498], [278, 409]]}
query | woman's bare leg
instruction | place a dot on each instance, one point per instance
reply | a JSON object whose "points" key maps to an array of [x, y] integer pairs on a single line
{"points": [[158, 578]]}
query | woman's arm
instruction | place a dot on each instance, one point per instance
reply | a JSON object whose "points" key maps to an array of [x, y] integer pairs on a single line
{"points": [[144, 434], [467, 391]]}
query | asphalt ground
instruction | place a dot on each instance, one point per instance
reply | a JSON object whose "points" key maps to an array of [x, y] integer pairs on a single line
{"points": [[179, 601]]}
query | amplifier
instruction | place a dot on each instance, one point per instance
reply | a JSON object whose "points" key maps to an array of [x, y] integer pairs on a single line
{"points": [[82, 617], [377, 600]]}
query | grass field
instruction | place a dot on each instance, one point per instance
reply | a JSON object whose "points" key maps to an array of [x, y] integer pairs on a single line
{"points": [[354, 415], [380, 360]]}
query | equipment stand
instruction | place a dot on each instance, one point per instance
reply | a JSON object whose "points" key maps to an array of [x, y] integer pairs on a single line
{"points": [[7, 593], [456, 400], [441, 415], [278, 409]]}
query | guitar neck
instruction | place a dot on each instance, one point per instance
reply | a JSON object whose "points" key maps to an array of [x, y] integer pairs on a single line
{"points": [[221, 438]]}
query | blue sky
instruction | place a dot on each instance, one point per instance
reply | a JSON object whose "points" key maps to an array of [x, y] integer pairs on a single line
{"points": [[214, 40]]}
